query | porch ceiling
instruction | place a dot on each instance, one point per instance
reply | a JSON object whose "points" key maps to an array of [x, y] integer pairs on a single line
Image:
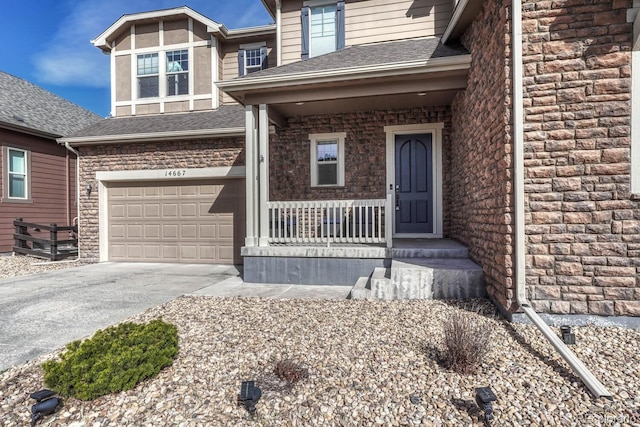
{"points": [[393, 92]]}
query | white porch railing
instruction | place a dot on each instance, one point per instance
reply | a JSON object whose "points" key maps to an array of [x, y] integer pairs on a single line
{"points": [[329, 221]]}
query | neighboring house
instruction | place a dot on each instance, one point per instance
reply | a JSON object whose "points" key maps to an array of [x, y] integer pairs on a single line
{"points": [[38, 175], [377, 129]]}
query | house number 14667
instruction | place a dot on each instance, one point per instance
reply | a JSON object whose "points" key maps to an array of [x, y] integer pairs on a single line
{"points": [[175, 172]]}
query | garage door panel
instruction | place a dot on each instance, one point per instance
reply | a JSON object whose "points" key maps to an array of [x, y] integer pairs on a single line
{"points": [[152, 251], [152, 210], [189, 232], [152, 231], [135, 211], [169, 231], [170, 210], [190, 222]]}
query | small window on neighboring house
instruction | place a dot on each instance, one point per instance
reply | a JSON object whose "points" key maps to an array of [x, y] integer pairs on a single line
{"points": [[322, 28], [16, 177], [251, 59], [148, 77], [178, 72], [327, 159]]}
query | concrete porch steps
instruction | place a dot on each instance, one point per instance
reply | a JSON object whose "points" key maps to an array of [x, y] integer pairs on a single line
{"points": [[442, 271]]}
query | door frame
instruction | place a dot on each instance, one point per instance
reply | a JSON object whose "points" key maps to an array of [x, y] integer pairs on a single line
{"points": [[435, 129]]}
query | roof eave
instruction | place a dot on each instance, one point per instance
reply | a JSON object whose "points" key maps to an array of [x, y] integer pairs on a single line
{"points": [[152, 136], [28, 130], [458, 62], [102, 40], [262, 30], [463, 14]]}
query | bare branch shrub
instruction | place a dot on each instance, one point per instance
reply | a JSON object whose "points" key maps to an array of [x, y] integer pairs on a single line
{"points": [[291, 372], [466, 342]]}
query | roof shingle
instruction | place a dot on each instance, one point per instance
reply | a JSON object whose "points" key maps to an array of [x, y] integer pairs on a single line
{"points": [[226, 116], [29, 106], [367, 55]]}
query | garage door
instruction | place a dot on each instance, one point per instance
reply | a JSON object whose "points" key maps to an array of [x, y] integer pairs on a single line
{"points": [[189, 222]]}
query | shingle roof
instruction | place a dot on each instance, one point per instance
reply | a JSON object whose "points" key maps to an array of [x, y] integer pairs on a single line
{"points": [[29, 106], [224, 117], [367, 55]]}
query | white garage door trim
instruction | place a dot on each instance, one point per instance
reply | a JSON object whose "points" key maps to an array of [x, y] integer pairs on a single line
{"points": [[177, 174]]}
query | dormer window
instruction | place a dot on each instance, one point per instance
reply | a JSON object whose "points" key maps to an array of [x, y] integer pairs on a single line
{"points": [[148, 77], [178, 72], [322, 28], [251, 58]]}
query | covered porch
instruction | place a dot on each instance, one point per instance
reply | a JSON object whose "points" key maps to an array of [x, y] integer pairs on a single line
{"points": [[392, 95]]}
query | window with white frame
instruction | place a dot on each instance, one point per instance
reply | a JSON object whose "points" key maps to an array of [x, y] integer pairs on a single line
{"points": [[178, 72], [327, 159], [16, 178], [251, 58], [322, 27], [148, 75]]}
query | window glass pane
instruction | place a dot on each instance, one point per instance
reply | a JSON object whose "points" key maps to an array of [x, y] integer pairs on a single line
{"points": [[323, 30], [177, 61], [147, 64], [148, 86], [16, 186], [328, 174], [327, 151], [178, 84], [16, 161]]}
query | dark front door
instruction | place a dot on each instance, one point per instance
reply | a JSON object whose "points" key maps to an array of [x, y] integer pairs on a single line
{"points": [[414, 183]]}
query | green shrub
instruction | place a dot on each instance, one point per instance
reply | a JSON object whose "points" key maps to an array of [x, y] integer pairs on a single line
{"points": [[114, 359]]}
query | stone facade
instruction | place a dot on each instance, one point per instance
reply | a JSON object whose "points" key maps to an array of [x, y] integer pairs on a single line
{"points": [[365, 152], [583, 226], [480, 160], [582, 223], [160, 155]]}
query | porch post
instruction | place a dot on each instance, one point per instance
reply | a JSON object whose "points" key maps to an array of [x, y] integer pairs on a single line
{"points": [[251, 130], [388, 220], [263, 171]]}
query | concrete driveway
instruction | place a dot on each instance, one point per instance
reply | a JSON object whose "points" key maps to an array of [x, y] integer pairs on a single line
{"points": [[43, 312]]}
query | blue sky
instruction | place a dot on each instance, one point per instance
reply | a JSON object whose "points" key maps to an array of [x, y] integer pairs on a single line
{"points": [[48, 41]]}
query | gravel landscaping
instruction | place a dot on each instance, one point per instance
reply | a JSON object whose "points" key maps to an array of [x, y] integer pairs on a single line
{"points": [[21, 265], [369, 363]]}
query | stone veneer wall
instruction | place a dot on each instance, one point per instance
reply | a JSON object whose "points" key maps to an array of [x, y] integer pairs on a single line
{"points": [[365, 152], [583, 226], [479, 179], [160, 155]]}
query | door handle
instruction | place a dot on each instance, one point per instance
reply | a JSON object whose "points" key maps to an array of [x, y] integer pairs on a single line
{"points": [[397, 202]]}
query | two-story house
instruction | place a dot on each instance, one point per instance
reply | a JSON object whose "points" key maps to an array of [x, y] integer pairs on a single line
{"points": [[379, 136]]}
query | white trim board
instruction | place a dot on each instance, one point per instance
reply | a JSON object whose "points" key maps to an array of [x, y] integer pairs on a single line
{"points": [[436, 130]]}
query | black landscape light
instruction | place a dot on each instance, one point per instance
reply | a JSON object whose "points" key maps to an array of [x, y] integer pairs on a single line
{"points": [[484, 397], [567, 336], [46, 405], [249, 396]]}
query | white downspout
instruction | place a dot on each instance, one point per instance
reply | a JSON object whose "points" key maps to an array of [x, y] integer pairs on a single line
{"points": [[518, 151], [279, 32], [70, 148]]}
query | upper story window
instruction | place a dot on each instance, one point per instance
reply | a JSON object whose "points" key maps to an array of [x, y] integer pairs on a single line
{"points": [[16, 177], [178, 72], [322, 28], [251, 58], [148, 76]]}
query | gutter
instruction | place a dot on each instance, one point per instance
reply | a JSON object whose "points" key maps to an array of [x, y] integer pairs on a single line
{"points": [[71, 149], [576, 364], [151, 137]]}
